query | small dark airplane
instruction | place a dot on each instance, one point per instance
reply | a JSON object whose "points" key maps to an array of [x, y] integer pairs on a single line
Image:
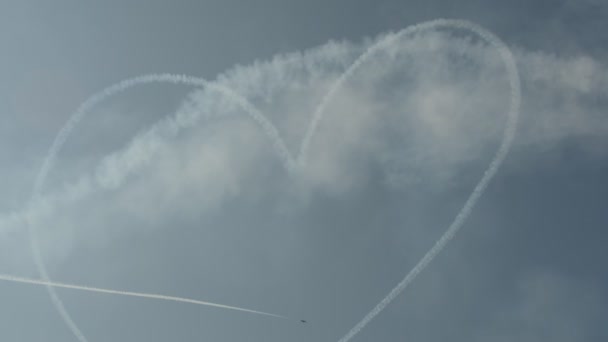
{"points": [[303, 321]]}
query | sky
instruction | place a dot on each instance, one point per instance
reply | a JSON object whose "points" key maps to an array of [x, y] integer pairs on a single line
{"points": [[202, 193]]}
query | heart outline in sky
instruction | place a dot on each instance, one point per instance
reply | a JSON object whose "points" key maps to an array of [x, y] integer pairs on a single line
{"points": [[292, 163]]}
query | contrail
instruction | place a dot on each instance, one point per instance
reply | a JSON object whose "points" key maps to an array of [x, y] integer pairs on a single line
{"points": [[22, 280], [121, 86], [173, 127], [509, 134], [290, 162]]}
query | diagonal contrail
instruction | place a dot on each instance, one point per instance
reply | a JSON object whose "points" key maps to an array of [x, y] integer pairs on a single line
{"points": [[23, 280]]}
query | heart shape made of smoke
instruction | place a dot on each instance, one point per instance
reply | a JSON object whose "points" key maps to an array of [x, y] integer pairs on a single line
{"points": [[288, 83]]}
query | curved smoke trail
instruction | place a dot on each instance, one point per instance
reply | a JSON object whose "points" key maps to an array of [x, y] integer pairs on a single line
{"points": [[509, 134], [289, 161], [85, 108], [23, 280]]}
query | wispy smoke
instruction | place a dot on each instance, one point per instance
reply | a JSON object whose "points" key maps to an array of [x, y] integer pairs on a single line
{"points": [[54, 284], [509, 134], [113, 171]]}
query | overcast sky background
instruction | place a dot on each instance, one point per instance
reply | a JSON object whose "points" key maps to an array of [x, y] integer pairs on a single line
{"points": [[212, 214]]}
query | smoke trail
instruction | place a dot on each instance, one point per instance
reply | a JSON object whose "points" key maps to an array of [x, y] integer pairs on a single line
{"points": [[286, 157], [173, 126], [509, 134], [22, 280], [121, 86]]}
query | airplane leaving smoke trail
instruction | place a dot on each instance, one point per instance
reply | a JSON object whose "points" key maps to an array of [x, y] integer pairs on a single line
{"points": [[508, 136], [23, 280]]}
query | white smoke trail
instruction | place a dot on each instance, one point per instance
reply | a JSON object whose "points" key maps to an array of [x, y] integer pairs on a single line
{"points": [[173, 127], [286, 157], [23, 280], [509, 134], [119, 87]]}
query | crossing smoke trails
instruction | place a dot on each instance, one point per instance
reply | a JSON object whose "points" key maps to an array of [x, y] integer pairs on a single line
{"points": [[131, 294], [172, 128], [290, 162]]}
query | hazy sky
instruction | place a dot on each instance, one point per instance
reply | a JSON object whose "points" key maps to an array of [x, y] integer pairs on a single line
{"points": [[173, 190]]}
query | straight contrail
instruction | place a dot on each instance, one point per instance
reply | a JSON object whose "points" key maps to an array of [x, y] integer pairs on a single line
{"points": [[508, 136], [23, 280]]}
